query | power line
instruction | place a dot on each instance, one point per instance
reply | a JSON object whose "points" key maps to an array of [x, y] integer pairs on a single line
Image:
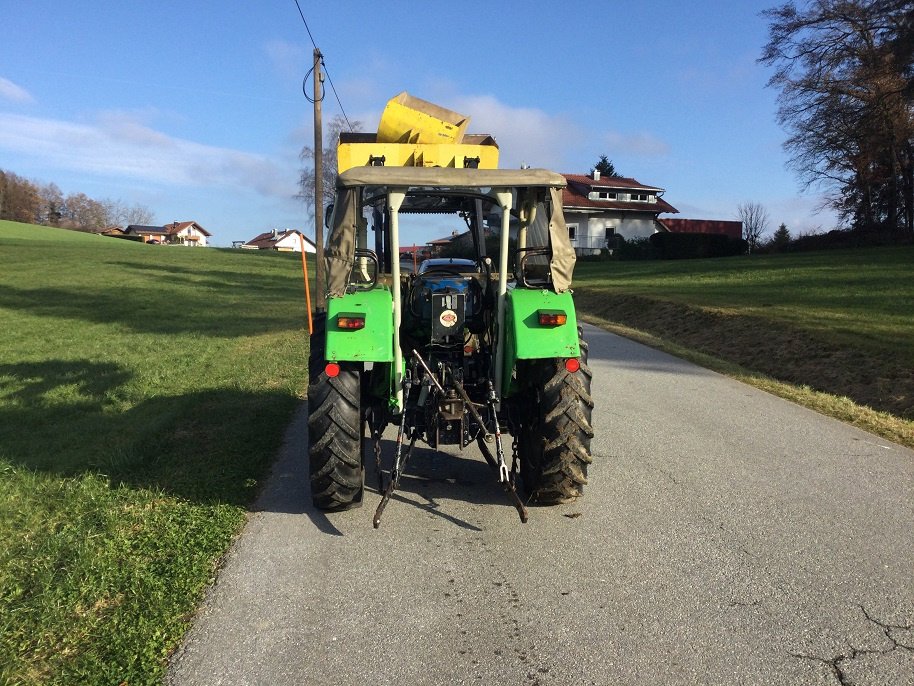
{"points": [[324, 65], [306, 24]]}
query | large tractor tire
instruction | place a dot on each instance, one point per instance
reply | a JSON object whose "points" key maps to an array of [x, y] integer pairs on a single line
{"points": [[334, 429], [555, 432]]}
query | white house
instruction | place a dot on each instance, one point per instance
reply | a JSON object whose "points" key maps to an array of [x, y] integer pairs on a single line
{"points": [[176, 233], [597, 209], [289, 240], [187, 233]]}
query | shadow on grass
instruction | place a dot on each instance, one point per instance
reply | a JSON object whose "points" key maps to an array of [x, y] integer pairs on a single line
{"points": [[213, 446], [209, 311], [201, 276], [216, 446]]}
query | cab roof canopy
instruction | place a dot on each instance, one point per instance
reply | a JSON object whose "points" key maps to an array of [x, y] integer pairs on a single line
{"points": [[448, 177]]}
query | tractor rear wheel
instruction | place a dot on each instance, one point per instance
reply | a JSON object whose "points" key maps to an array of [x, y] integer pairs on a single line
{"points": [[554, 441], [334, 429]]}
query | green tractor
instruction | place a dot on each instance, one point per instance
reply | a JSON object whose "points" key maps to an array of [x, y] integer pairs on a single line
{"points": [[460, 350]]}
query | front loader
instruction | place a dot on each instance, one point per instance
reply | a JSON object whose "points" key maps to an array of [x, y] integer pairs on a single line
{"points": [[465, 349]]}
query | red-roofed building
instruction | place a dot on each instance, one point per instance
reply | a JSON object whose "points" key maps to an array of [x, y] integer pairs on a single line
{"points": [[176, 233], [733, 229], [289, 240], [598, 208], [187, 233]]}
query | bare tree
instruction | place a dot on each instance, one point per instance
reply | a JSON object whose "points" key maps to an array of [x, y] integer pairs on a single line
{"points": [[139, 214], [82, 212], [306, 176], [119, 213], [52, 204], [19, 198], [755, 220], [844, 69]]}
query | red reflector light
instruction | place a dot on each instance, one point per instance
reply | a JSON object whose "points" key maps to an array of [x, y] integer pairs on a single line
{"points": [[351, 322], [332, 369], [552, 318], [572, 364]]}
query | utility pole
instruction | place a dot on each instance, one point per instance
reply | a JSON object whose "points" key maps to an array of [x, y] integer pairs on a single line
{"points": [[320, 276]]}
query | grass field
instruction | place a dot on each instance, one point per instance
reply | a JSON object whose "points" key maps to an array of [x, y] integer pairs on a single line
{"points": [[144, 391], [820, 328]]}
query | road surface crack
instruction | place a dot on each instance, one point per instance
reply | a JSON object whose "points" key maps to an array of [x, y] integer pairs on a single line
{"points": [[838, 663], [888, 630]]}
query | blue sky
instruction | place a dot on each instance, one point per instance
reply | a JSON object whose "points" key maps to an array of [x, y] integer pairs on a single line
{"points": [[195, 109]]}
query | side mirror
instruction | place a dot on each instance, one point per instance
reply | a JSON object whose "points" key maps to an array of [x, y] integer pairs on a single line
{"points": [[328, 215]]}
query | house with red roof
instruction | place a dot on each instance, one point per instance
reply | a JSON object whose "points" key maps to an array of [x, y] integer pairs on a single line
{"points": [[289, 240], [599, 208], [176, 233], [733, 229]]}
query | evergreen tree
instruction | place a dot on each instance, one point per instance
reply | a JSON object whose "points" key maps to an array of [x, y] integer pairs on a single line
{"points": [[605, 167]]}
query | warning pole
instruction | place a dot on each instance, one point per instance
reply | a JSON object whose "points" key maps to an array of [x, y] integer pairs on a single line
{"points": [[304, 271]]}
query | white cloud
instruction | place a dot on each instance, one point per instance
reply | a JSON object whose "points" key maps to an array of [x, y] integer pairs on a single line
{"points": [[525, 135], [118, 145], [641, 144], [10, 91]]}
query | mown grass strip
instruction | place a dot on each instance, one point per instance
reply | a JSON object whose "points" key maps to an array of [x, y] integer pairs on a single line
{"points": [[144, 391], [832, 331]]}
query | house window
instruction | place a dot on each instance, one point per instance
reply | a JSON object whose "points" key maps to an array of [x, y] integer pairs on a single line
{"points": [[610, 231], [572, 232], [639, 197], [606, 195]]}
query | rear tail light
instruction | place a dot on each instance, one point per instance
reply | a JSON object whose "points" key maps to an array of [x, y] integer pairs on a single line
{"points": [[552, 317], [350, 322], [332, 369], [572, 364]]}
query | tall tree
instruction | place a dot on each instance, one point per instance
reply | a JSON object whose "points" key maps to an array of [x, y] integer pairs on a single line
{"points": [[82, 212], [52, 206], [781, 238], [755, 220], [139, 214], [605, 167], [845, 71], [19, 198]]}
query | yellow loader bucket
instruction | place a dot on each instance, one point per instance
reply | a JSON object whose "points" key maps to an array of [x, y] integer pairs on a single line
{"points": [[412, 120]]}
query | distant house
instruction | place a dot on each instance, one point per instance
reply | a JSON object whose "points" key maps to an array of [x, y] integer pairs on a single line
{"points": [[176, 233], [733, 229], [187, 233], [147, 234], [289, 240], [460, 241], [418, 252], [112, 231], [598, 208]]}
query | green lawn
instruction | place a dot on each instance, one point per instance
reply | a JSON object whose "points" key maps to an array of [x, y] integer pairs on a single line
{"points": [[866, 297], [839, 322], [144, 391]]}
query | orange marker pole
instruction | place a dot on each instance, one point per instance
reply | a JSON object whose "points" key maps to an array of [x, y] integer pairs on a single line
{"points": [[304, 269]]}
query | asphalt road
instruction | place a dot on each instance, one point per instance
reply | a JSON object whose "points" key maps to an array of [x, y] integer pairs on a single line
{"points": [[727, 537]]}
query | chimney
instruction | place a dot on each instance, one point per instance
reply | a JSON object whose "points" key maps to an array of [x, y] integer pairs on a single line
{"points": [[596, 174], [273, 233]]}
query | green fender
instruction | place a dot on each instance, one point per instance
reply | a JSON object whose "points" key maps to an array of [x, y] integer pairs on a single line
{"points": [[527, 339], [374, 342]]}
